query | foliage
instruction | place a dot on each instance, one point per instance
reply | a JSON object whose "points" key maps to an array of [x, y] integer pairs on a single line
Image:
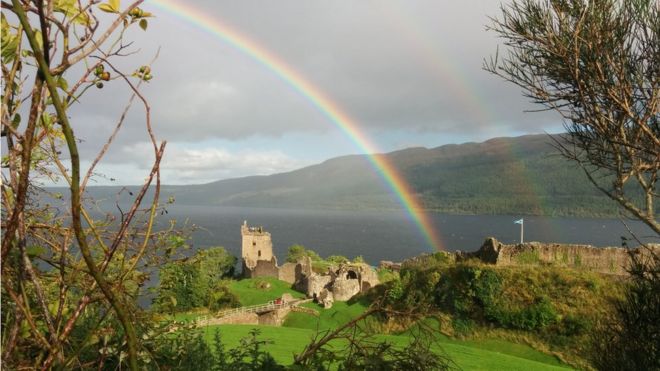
{"points": [[70, 278], [198, 281], [381, 355], [251, 356], [386, 275], [596, 64], [184, 349], [187, 349], [297, 252], [365, 352], [629, 338], [556, 306], [319, 264], [337, 259]]}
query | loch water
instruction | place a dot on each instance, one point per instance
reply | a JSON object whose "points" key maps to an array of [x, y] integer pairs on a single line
{"points": [[388, 235]]}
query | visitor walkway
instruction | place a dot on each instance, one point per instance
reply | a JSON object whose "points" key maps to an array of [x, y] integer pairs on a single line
{"points": [[258, 309]]}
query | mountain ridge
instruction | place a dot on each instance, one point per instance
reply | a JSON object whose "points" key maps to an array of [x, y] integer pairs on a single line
{"points": [[506, 175], [519, 175]]}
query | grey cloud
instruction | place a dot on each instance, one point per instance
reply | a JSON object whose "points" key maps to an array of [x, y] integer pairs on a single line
{"points": [[388, 64]]}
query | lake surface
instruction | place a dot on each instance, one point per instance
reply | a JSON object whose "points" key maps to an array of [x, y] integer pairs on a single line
{"points": [[387, 235]]}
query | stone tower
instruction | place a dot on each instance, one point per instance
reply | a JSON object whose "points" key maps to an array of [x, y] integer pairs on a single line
{"points": [[257, 246]]}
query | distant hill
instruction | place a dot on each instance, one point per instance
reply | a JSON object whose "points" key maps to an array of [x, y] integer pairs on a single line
{"points": [[522, 175]]}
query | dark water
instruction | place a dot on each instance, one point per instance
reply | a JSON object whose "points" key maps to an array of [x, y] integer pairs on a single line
{"points": [[388, 235]]}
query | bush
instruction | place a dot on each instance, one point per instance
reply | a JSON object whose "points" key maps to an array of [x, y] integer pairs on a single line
{"points": [[221, 297], [469, 291], [462, 326], [297, 252], [573, 325], [195, 282], [537, 316]]}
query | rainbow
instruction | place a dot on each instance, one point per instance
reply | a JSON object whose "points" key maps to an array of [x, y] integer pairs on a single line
{"points": [[319, 100]]}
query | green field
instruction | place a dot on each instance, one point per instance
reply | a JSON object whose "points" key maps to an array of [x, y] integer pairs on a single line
{"points": [[339, 314], [468, 355], [298, 329], [249, 291]]}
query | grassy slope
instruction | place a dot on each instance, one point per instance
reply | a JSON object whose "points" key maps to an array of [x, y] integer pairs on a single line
{"points": [[299, 328], [497, 355], [249, 293], [339, 314]]}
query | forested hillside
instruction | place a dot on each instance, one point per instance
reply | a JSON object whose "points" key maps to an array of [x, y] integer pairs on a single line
{"points": [[522, 175]]}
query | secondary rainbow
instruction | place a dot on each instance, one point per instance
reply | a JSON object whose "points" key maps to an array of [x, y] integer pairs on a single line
{"points": [[319, 100]]}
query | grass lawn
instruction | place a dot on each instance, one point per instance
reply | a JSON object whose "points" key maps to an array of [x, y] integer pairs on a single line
{"points": [[298, 329], [339, 314], [250, 293], [492, 355]]}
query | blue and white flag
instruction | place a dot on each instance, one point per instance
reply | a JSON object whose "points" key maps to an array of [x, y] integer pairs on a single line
{"points": [[519, 221]]}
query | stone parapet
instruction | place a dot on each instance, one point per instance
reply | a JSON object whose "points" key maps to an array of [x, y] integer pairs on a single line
{"points": [[609, 260]]}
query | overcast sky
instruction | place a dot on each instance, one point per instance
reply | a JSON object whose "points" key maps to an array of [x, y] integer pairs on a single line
{"points": [[408, 72]]}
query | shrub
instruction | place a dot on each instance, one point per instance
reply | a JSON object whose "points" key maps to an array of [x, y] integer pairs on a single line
{"points": [[462, 326], [537, 316], [191, 283], [572, 325], [296, 252], [469, 290], [528, 257]]}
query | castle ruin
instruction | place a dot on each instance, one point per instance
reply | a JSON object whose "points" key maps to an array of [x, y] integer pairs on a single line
{"points": [[606, 260], [257, 252], [337, 284]]}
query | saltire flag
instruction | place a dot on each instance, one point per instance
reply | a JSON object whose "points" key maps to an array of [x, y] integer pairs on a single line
{"points": [[519, 221]]}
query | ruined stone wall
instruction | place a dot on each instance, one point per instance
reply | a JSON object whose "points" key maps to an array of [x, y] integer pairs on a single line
{"points": [[262, 268], [296, 273], [287, 273], [274, 318], [236, 319], [610, 260], [256, 245], [316, 283], [344, 289]]}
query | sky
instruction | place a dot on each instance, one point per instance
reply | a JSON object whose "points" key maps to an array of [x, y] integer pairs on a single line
{"points": [[408, 73]]}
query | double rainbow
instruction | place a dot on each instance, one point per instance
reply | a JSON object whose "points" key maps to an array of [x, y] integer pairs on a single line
{"points": [[319, 100]]}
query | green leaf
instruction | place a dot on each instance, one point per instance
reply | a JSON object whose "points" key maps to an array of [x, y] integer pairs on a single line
{"points": [[35, 250], [107, 8], [46, 118], [70, 8], [40, 40], [9, 42], [62, 83], [94, 339], [16, 121], [143, 24]]}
